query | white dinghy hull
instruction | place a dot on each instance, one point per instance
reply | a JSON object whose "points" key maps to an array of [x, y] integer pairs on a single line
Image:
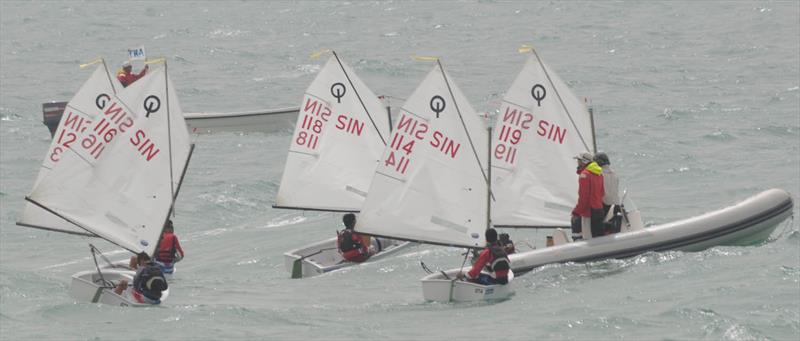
{"points": [[88, 286], [321, 257], [266, 121], [437, 287], [746, 223]]}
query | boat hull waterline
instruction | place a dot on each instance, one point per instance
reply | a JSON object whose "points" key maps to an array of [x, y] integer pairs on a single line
{"points": [[87, 286], [441, 288], [321, 257]]}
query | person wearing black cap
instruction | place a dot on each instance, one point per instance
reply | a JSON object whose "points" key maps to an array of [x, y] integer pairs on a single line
{"points": [[352, 246], [148, 283], [611, 193], [587, 216]]}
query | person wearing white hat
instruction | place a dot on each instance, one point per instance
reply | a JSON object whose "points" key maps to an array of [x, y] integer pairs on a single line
{"points": [[587, 216], [126, 76]]}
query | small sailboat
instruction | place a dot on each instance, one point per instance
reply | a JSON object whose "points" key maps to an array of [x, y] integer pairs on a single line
{"points": [[432, 183], [340, 134], [118, 178], [541, 126]]}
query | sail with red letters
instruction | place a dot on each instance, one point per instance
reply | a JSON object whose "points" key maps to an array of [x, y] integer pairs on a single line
{"points": [[541, 126], [431, 183], [338, 140], [121, 180]]}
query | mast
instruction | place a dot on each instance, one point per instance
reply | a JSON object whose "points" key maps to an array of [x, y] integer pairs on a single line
{"points": [[591, 119], [489, 180]]}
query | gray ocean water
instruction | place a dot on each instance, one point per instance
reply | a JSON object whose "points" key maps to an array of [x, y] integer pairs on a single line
{"points": [[697, 103]]}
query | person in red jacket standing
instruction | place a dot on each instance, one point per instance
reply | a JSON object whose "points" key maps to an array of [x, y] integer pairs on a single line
{"points": [[587, 216], [169, 249], [351, 244], [494, 259], [126, 77]]}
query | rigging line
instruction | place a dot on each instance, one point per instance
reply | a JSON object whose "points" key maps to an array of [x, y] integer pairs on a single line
{"points": [[92, 249], [108, 74], [75, 223], [359, 98], [469, 137], [546, 74]]}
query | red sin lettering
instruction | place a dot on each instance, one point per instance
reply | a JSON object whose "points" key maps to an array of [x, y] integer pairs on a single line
{"points": [[145, 146], [310, 105], [113, 110], [125, 125], [350, 125], [71, 121], [517, 117], [445, 144]]}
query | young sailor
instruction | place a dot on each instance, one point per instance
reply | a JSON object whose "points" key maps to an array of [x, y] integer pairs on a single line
{"points": [[494, 259], [126, 76], [148, 283], [169, 249], [351, 244]]}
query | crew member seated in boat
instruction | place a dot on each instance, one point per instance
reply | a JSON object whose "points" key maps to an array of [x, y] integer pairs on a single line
{"points": [[587, 216], [148, 283], [507, 243], [351, 244], [495, 261], [126, 76], [169, 249], [613, 222]]}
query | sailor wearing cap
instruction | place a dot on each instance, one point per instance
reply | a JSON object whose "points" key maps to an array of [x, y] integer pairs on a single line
{"points": [[126, 76], [587, 216]]}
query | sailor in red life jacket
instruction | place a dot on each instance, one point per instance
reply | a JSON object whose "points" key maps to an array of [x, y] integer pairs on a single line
{"points": [[126, 77], [351, 244], [587, 216], [169, 249], [494, 259]]}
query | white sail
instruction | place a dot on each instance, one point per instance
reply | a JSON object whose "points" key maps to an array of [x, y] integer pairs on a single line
{"points": [[431, 184], [541, 126], [87, 104], [123, 190], [337, 143]]}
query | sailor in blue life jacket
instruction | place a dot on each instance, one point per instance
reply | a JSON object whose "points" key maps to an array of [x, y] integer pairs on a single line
{"points": [[351, 244], [495, 261], [148, 283]]}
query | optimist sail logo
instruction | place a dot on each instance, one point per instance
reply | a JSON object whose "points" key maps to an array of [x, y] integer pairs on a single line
{"points": [[438, 104], [538, 92]]}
